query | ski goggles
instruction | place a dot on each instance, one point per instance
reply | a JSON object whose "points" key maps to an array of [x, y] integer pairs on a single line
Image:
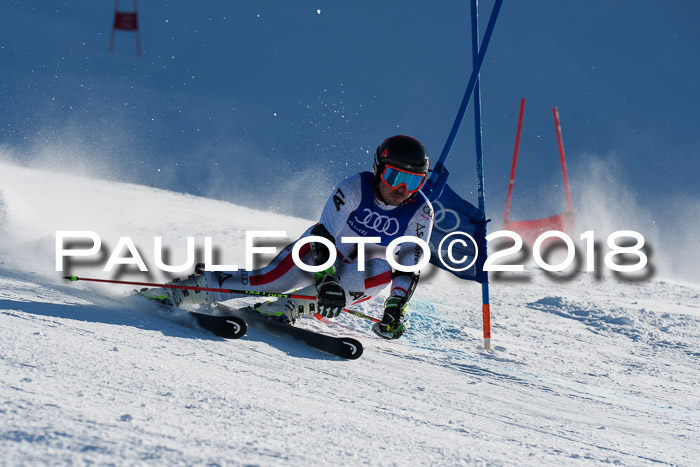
{"points": [[396, 177]]}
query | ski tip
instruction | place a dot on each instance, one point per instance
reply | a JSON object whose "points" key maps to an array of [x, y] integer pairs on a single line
{"points": [[353, 348], [71, 278]]}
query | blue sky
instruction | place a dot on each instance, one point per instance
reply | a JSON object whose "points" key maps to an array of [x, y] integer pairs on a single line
{"points": [[271, 103]]}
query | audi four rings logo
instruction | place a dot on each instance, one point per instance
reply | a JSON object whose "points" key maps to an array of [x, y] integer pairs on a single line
{"points": [[382, 224], [441, 213]]}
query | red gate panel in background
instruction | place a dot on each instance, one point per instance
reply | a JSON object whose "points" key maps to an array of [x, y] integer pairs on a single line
{"points": [[126, 21], [529, 230]]}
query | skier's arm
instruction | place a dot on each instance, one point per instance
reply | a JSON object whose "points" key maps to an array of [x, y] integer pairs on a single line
{"points": [[410, 254], [404, 283], [343, 201]]}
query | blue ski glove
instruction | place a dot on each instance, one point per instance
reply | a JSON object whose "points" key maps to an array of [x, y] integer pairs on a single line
{"points": [[391, 326], [331, 296]]}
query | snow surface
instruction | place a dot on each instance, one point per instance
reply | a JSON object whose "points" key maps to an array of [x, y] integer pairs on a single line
{"points": [[583, 371]]}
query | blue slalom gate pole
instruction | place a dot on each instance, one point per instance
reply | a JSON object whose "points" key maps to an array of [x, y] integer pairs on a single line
{"points": [[478, 61], [478, 137]]}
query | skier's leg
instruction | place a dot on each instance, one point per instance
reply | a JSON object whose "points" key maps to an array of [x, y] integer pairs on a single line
{"points": [[362, 285], [358, 285], [280, 275]]}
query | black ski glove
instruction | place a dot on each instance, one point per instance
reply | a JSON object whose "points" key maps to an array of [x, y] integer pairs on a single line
{"points": [[331, 296], [391, 326]]}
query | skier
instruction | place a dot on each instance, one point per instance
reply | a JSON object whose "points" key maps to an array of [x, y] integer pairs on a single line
{"points": [[386, 203]]}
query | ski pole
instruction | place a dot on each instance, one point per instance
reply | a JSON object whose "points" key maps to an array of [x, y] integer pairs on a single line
{"points": [[209, 289], [202, 289], [362, 315]]}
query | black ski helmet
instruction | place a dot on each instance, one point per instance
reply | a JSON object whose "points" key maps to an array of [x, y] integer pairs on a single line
{"points": [[402, 152]]}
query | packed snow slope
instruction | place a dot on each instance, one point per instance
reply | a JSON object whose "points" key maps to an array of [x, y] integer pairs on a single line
{"points": [[582, 371]]}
